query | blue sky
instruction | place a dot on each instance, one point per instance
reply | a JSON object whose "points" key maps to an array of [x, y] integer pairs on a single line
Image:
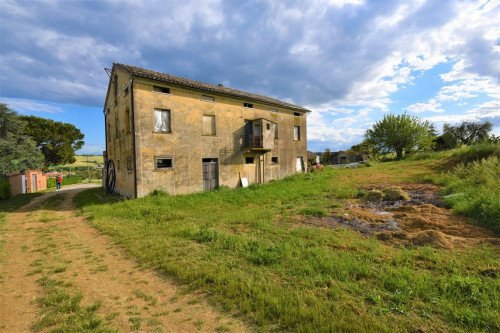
{"points": [[349, 61]]}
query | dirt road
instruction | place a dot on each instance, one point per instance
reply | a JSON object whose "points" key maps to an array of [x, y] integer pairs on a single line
{"points": [[51, 256]]}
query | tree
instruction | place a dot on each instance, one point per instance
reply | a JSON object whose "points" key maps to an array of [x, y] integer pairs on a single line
{"points": [[56, 140], [468, 132], [399, 133], [17, 150], [364, 147]]}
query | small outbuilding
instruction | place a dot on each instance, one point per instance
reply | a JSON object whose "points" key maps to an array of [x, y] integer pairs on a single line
{"points": [[30, 182]]}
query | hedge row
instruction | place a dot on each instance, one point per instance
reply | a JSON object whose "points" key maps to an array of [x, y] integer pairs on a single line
{"points": [[51, 182]]}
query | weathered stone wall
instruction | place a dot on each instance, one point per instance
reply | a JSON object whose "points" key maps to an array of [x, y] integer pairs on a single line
{"points": [[119, 143]]}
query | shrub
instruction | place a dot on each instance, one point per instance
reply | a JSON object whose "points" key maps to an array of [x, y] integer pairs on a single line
{"points": [[374, 196], [5, 190], [394, 193]]}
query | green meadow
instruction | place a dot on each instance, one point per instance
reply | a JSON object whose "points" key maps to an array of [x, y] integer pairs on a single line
{"points": [[256, 253]]}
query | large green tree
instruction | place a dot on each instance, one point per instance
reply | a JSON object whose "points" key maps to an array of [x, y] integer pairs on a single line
{"points": [[56, 140], [398, 133], [18, 151], [468, 132]]}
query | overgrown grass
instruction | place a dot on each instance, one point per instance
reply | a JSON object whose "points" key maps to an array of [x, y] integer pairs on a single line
{"points": [[250, 252], [474, 190]]}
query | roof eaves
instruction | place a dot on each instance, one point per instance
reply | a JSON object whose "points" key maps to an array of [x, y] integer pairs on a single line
{"points": [[210, 88]]}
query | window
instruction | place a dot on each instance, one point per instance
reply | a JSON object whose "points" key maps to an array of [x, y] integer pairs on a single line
{"points": [[162, 90], [248, 105], [129, 164], [164, 162], [274, 160], [208, 125], [275, 131], [127, 120], [273, 111], [249, 160], [297, 114], [296, 132], [208, 98], [162, 120], [268, 126]]}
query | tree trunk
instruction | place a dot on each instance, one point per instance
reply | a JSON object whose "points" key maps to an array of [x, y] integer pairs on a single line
{"points": [[399, 153]]}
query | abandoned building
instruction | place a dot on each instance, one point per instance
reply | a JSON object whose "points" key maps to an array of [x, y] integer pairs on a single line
{"points": [[179, 135], [345, 157]]}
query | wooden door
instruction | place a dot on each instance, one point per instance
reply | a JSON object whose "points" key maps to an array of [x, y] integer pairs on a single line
{"points": [[210, 174]]}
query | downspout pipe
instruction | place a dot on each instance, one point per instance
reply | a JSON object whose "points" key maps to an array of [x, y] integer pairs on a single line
{"points": [[133, 136]]}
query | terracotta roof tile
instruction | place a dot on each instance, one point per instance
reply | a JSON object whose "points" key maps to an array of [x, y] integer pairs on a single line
{"points": [[176, 80]]}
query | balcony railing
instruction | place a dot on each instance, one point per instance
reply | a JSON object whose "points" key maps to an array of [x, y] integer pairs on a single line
{"points": [[253, 141]]}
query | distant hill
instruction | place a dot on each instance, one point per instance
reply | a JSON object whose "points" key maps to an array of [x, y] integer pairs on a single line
{"points": [[81, 161]]}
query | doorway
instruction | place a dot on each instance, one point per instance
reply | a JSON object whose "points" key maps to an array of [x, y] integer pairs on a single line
{"points": [[33, 183], [300, 164], [210, 173]]}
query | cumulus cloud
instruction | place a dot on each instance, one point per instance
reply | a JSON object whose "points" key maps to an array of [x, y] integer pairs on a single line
{"points": [[431, 106], [335, 57]]}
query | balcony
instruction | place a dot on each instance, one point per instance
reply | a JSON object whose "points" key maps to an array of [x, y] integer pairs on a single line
{"points": [[253, 141]]}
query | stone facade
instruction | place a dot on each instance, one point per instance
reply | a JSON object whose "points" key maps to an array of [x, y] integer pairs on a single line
{"points": [[214, 137]]}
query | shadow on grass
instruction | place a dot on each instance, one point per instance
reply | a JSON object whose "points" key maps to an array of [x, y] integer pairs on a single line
{"points": [[17, 201], [95, 196]]}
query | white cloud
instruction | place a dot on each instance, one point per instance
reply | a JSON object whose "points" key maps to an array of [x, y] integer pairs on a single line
{"points": [[29, 106], [431, 106]]}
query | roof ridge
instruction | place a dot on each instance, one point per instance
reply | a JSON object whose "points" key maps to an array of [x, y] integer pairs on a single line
{"points": [[173, 79]]}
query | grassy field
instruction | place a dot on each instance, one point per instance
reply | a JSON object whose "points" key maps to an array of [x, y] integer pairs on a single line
{"points": [[81, 161], [250, 252]]}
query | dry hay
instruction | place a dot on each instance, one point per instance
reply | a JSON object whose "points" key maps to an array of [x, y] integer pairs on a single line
{"points": [[374, 196], [419, 222], [395, 193]]}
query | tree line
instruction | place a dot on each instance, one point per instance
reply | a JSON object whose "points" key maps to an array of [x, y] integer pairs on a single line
{"points": [[29, 142], [407, 134]]}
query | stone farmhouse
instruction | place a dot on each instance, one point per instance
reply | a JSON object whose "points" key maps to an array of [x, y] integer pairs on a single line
{"points": [[179, 135]]}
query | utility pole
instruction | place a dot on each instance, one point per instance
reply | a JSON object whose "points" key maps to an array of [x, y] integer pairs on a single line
{"points": [[88, 167]]}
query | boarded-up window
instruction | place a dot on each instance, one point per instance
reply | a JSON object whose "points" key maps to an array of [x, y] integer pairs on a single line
{"points": [[296, 132], [162, 120], [208, 125]]}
